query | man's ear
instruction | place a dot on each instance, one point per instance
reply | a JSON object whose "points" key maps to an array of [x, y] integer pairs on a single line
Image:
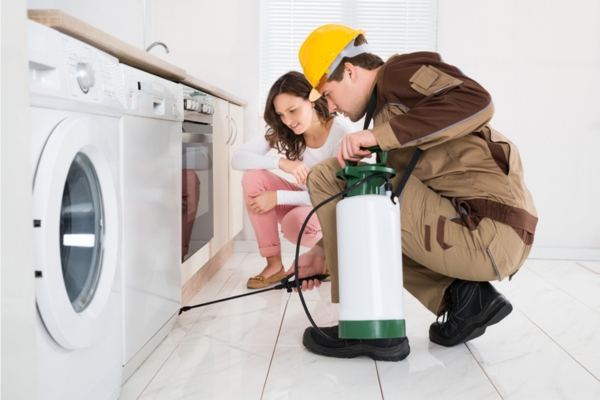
{"points": [[350, 69]]}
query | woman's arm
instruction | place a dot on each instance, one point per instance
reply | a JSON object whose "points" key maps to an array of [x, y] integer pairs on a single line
{"points": [[252, 155], [291, 197]]}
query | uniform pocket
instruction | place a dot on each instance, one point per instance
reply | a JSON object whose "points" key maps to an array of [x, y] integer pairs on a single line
{"points": [[500, 260], [430, 80]]}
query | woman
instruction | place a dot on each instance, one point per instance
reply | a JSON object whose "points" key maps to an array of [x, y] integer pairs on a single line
{"points": [[305, 133]]}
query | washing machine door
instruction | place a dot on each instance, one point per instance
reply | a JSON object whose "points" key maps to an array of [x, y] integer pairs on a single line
{"points": [[76, 229]]}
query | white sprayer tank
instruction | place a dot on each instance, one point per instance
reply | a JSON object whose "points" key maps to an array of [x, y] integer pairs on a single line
{"points": [[370, 268], [369, 254]]}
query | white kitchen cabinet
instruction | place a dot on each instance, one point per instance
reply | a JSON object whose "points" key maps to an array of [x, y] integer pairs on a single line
{"points": [[228, 197], [236, 195]]}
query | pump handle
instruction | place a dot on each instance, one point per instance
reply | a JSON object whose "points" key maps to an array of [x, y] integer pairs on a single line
{"points": [[374, 149]]}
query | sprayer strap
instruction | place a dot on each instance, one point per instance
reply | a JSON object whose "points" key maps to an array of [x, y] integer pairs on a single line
{"points": [[371, 108], [409, 169], [416, 155]]}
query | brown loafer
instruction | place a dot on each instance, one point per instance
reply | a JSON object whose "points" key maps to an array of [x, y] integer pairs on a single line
{"points": [[259, 281]]}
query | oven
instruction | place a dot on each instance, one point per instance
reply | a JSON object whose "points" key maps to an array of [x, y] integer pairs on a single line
{"points": [[197, 172]]}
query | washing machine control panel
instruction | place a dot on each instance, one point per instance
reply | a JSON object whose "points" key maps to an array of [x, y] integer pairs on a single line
{"points": [[65, 70], [85, 76]]}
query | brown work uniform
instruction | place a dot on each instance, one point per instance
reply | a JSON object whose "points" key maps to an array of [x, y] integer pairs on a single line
{"points": [[466, 212]]}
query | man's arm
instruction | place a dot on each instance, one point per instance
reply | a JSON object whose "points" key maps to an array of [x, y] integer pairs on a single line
{"points": [[438, 104]]}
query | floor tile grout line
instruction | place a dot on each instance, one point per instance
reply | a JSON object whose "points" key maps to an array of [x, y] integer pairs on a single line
{"points": [[559, 345], [157, 371], [483, 370], [185, 335], [589, 269], [275, 348], [213, 297], [379, 380]]}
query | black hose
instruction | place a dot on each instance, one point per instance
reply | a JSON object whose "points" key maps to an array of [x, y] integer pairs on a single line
{"points": [[285, 283]]}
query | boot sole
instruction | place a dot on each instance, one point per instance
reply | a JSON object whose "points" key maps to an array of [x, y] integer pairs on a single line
{"points": [[395, 353], [495, 311]]}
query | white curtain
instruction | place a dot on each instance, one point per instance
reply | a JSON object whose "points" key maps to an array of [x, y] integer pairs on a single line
{"points": [[392, 26]]}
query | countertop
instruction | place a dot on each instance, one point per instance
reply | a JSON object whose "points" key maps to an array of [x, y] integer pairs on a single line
{"points": [[126, 53]]}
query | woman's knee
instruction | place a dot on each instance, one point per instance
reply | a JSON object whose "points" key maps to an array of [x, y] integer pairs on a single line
{"points": [[254, 180]]}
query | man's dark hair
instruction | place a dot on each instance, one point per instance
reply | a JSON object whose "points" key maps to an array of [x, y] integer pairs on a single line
{"points": [[368, 61]]}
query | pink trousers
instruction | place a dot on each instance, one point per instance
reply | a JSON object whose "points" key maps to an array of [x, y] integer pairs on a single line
{"points": [[290, 217]]}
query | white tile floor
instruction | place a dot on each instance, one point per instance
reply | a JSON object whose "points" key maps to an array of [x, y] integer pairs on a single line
{"points": [[250, 348]]}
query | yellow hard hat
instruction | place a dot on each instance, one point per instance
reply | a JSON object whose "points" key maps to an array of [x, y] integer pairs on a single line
{"points": [[323, 50]]}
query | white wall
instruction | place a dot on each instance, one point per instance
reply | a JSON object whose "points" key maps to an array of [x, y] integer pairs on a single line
{"points": [[218, 42], [215, 41], [123, 19], [18, 299], [540, 60]]}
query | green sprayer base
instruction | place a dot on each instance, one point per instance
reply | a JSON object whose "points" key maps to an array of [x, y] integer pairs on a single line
{"points": [[384, 329]]}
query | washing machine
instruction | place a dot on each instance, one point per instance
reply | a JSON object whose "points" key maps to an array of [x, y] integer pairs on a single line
{"points": [[151, 194], [76, 94]]}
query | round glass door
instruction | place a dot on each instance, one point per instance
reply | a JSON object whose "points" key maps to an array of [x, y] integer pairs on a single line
{"points": [[76, 231], [81, 232]]}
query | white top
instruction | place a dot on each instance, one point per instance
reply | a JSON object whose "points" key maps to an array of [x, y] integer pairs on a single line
{"points": [[252, 155]]}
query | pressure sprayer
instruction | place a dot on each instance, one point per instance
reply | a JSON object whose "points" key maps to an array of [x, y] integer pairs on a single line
{"points": [[369, 254], [369, 251]]}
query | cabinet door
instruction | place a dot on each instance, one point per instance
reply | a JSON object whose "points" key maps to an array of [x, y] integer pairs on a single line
{"points": [[221, 136], [236, 195]]}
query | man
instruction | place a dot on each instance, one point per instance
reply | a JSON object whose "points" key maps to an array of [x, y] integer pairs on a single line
{"points": [[467, 216]]}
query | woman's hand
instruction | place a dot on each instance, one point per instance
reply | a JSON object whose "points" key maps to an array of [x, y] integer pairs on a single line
{"points": [[262, 202], [296, 168]]}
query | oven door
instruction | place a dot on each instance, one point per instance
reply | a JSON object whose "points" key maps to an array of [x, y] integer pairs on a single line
{"points": [[197, 188]]}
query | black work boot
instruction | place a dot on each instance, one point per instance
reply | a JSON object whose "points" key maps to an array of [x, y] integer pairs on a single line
{"points": [[395, 349], [472, 307]]}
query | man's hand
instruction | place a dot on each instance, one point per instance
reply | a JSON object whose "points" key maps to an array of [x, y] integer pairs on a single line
{"points": [[296, 168], [309, 264], [350, 148], [262, 202]]}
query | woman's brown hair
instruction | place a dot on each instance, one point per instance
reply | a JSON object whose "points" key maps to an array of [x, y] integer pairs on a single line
{"points": [[279, 135]]}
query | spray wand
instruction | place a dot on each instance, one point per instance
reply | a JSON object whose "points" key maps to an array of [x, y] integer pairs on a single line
{"points": [[285, 282]]}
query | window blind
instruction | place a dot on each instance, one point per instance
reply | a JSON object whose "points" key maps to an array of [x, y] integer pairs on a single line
{"points": [[391, 26]]}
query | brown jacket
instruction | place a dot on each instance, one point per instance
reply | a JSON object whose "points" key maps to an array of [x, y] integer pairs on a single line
{"points": [[426, 103]]}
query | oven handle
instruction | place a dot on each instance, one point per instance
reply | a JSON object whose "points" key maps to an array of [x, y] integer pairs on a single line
{"points": [[188, 137]]}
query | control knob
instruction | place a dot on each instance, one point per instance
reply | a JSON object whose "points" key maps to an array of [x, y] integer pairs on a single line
{"points": [[85, 76]]}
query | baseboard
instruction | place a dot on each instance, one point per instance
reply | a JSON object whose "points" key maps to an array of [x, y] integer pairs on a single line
{"points": [[557, 253], [203, 275], [141, 356]]}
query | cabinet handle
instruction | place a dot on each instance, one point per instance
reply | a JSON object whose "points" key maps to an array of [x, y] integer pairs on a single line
{"points": [[236, 131], [230, 130]]}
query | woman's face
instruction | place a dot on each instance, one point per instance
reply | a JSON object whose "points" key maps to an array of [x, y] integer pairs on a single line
{"points": [[294, 111]]}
